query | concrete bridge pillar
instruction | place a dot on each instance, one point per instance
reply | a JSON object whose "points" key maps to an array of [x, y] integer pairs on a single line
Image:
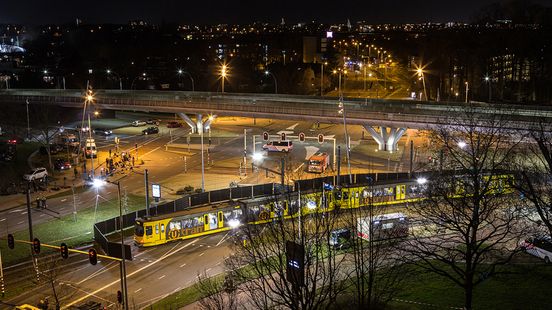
{"points": [[199, 124], [188, 121], [387, 141]]}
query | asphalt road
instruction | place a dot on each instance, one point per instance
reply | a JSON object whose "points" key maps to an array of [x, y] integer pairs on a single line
{"points": [[156, 272]]}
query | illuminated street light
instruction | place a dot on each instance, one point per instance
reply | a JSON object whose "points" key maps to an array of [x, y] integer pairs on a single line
{"points": [[461, 144], [109, 71], [421, 180], [257, 157], [223, 74], [181, 72], [275, 81]]}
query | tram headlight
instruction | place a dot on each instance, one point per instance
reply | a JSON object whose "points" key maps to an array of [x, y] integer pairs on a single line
{"points": [[234, 223]]}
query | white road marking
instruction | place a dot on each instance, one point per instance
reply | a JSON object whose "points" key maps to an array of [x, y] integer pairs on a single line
{"points": [[208, 269], [221, 240], [23, 212], [64, 200], [161, 277], [292, 127], [42, 215], [297, 169], [311, 150], [155, 149], [2, 220], [16, 210], [287, 132], [128, 276], [202, 253], [136, 291], [182, 265], [21, 222]]}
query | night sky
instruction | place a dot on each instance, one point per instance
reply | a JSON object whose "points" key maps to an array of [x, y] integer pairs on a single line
{"points": [[240, 11]]}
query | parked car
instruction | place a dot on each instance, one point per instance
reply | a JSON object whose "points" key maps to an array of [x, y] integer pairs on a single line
{"points": [[102, 131], [62, 164], [538, 246], [36, 174], [150, 131], [174, 124], [138, 123], [153, 122]]}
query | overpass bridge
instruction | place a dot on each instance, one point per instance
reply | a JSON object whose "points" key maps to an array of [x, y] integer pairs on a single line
{"points": [[385, 119]]}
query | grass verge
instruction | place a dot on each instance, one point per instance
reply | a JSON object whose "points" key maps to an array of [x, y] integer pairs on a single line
{"points": [[66, 229]]}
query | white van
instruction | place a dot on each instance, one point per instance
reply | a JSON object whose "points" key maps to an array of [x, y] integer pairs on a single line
{"points": [[90, 149], [278, 146]]}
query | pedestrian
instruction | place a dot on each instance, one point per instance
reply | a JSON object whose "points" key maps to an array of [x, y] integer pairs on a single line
{"points": [[76, 172], [132, 161], [107, 161]]}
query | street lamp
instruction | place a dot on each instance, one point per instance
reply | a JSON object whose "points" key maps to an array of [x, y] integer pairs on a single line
{"points": [[223, 74], [181, 72], [420, 72], [275, 81], [322, 78], [467, 90], [109, 71], [99, 183], [461, 144], [143, 75], [488, 80]]}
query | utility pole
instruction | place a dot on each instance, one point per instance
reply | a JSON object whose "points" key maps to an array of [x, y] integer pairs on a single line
{"points": [[147, 191]]}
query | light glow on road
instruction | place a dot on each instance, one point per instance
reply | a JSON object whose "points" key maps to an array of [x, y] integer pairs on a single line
{"points": [[234, 223]]}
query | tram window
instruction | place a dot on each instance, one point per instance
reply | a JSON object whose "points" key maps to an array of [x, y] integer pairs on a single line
{"points": [[345, 195], [156, 229], [220, 216], [149, 230], [162, 228]]}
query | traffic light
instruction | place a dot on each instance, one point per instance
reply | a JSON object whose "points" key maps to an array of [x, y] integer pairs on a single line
{"points": [[36, 246], [92, 256], [320, 138], [119, 297], [283, 136], [64, 251], [11, 241], [302, 137], [265, 136]]}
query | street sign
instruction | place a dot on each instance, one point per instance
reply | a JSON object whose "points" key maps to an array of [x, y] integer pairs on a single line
{"points": [[156, 191], [320, 138], [265, 136], [302, 137], [295, 263]]}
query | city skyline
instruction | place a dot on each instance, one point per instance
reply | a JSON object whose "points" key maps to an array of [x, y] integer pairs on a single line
{"points": [[393, 11]]}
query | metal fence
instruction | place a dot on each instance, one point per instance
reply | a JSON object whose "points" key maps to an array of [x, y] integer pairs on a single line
{"points": [[109, 226]]}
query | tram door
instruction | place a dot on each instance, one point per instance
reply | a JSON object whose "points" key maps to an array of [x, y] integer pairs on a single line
{"points": [[400, 192], [220, 219]]}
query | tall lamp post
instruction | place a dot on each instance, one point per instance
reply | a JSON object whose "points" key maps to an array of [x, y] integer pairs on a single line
{"points": [[181, 72], [28, 123], [99, 183], [421, 76], [467, 90], [109, 71], [223, 74], [322, 78], [489, 86], [275, 81]]}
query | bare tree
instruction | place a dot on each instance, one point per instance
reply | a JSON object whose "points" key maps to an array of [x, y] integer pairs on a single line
{"points": [[467, 228], [535, 171], [375, 270], [217, 293], [259, 260]]}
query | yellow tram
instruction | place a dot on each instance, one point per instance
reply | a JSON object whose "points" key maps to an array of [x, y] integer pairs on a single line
{"points": [[214, 218]]}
